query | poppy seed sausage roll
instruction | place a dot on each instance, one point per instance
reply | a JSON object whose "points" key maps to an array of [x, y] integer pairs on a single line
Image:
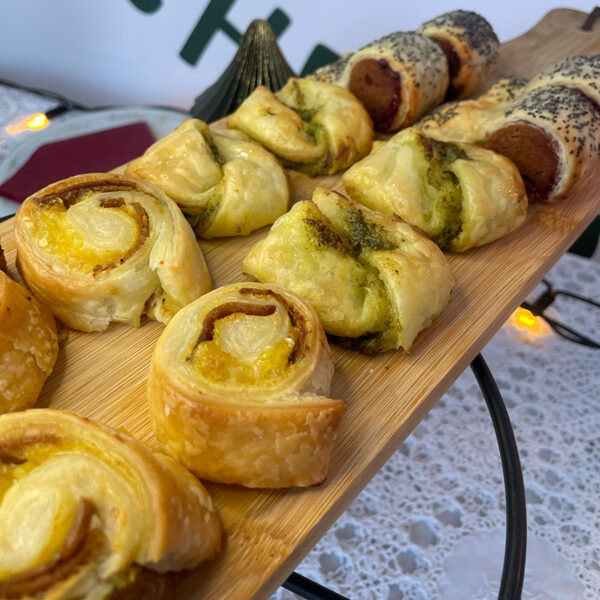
{"points": [[471, 47], [99, 248], [374, 281], [224, 183], [88, 513], [239, 385], [552, 134], [460, 195], [312, 126]]}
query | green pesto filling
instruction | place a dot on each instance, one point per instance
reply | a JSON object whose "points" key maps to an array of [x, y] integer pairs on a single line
{"points": [[442, 201]]}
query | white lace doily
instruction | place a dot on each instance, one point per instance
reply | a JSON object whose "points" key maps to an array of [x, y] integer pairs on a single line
{"points": [[431, 524]]}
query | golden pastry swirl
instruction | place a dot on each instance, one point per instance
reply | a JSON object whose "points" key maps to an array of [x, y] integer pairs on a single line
{"points": [[374, 281], [224, 183], [99, 248], [87, 512], [238, 388], [315, 127], [28, 346], [461, 195]]}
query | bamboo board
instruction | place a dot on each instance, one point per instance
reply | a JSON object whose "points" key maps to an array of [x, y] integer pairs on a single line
{"points": [[103, 376]]}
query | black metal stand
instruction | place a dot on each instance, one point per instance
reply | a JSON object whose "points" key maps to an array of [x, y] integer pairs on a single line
{"points": [[513, 570]]}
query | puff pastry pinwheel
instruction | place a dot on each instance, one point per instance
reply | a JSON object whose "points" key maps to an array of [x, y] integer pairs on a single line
{"points": [[224, 183], [88, 513], [99, 248], [28, 346], [238, 388], [471, 120], [459, 194], [312, 126], [374, 281], [471, 47]]}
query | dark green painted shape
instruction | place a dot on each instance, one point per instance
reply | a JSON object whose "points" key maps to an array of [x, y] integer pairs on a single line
{"points": [[319, 57], [278, 21], [147, 6], [587, 242]]}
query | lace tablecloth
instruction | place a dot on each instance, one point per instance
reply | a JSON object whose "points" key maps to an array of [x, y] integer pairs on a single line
{"points": [[430, 525]]}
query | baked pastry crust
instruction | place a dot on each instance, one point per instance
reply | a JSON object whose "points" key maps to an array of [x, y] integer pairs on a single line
{"points": [[471, 47], [224, 183], [461, 195], [238, 388], [399, 78], [98, 248], [374, 281], [312, 126], [106, 510], [28, 346]]}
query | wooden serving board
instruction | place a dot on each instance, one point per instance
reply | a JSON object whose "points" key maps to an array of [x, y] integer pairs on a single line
{"points": [[103, 376]]}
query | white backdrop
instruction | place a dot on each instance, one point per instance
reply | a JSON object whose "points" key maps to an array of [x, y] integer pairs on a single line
{"points": [[101, 52]]}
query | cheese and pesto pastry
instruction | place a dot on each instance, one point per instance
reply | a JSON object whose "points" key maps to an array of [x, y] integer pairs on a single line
{"points": [[311, 126], [374, 280], [89, 513], [239, 388], [224, 183], [102, 248], [459, 194]]}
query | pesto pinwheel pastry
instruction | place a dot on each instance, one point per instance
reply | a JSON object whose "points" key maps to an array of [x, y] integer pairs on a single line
{"points": [[460, 195], [312, 126], [374, 281], [88, 513], [239, 385], [398, 78], [28, 346], [100, 248], [224, 183], [581, 73], [471, 121], [471, 47], [552, 134]]}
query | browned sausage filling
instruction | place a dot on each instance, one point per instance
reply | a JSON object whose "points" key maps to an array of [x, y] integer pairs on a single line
{"points": [[454, 65], [534, 153], [377, 86]]}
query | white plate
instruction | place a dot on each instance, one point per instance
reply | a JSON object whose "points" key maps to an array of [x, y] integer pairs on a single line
{"points": [[161, 122]]}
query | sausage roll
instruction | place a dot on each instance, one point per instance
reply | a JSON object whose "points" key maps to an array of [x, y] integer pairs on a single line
{"points": [[87, 512], [238, 388], [460, 195], [471, 47], [312, 126], [224, 183], [99, 248], [28, 346], [579, 72], [552, 134], [398, 78], [374, 281], [469, 120]]}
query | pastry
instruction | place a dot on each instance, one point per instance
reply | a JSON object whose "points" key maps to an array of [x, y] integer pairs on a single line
{"points": [[238, 388], [460, 195], [2, 260], [471, 47], [312, 126], [374, 281], [224, 183], [87, 512], [552, 134], [470, 120], [28, 346], [398, 78], [99, 248]]}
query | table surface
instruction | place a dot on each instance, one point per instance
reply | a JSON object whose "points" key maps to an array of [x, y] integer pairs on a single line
{"points": [[269, 532]]}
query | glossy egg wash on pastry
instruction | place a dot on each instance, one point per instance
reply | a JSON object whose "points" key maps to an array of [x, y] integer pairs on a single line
{"points": [[238, 388], [87, 513], [374, 280], [100, 248]]}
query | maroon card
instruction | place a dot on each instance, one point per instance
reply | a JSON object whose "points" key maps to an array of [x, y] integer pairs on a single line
{"points": [[91, 153]]}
